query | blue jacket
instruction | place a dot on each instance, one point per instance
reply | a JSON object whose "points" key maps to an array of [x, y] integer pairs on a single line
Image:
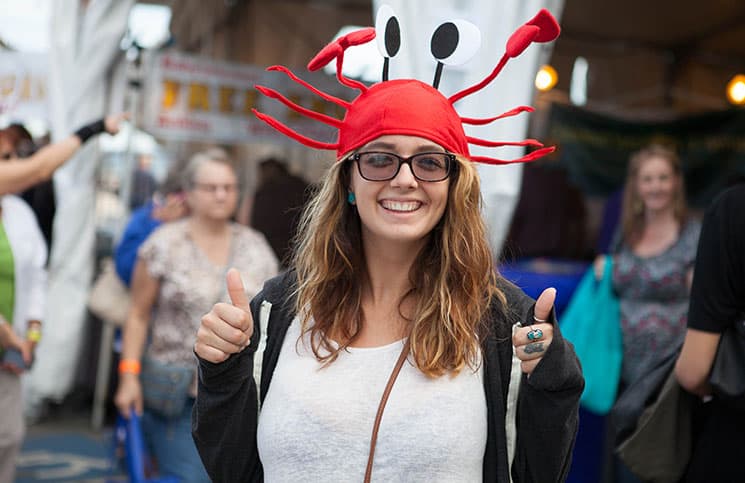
{"points": [[140, 226]]}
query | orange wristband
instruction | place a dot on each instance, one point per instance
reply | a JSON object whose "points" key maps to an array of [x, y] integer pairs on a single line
{"points": [[129, 366]]}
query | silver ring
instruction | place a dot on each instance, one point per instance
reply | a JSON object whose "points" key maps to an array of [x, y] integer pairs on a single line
{"points": [[540, 321], [534, 334]]}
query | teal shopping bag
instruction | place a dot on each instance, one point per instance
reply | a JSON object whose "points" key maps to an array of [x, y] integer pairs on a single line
{"points": [[592, 323]]}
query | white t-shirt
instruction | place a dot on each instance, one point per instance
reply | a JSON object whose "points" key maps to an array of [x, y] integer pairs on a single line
{"points": [[315, 423]]}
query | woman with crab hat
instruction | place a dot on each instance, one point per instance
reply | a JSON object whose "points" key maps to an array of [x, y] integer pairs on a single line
{"points": [[392, 349]]}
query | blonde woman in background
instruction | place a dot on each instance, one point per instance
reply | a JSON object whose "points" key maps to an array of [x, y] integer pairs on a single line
{"points": [[652, 264], [180, 272]]}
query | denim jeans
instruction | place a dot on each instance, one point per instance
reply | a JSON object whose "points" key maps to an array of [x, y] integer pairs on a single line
{"points": [[170, 442]]}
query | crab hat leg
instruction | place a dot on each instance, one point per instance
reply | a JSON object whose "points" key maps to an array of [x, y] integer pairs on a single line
{"points": [[531, 156], [541, 28], [510, 113], [311, 143], [318, 92]]}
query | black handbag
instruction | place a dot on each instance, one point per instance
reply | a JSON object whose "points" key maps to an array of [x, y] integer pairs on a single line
{"points": [[727, 377], [638, 396], [660, 447]]}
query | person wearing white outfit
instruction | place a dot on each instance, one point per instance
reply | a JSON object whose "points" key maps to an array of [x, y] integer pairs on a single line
{"points": [[23, 254]]}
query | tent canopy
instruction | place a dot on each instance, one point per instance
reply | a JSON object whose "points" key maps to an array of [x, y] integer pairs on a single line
{"points": [[653, 58]]}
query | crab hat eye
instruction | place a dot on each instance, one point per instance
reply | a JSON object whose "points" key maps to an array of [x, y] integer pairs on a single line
{"points": [[387, 31], [455, 42]]}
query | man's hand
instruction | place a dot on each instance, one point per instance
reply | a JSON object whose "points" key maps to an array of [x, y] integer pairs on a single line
{"points": [[24, 347], [532, 340], [172, 208], [599, 266], [227, 328], [113, 123]]}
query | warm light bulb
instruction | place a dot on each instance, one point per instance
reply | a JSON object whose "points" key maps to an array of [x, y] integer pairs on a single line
{"points": [[546, 78], [736, 90]]}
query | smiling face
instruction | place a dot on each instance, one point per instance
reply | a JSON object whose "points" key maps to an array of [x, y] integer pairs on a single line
{"points": [[656, 184], [403, 209]]}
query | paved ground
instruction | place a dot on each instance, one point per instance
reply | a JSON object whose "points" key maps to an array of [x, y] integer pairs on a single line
{"points": [[62, 447]]}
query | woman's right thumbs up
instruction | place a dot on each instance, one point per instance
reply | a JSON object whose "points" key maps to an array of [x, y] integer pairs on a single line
{"points": [[227, 328]]}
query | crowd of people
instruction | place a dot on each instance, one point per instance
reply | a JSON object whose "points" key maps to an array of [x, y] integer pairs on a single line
{"points": [[361, 329], [23, 256], [174, 275]]}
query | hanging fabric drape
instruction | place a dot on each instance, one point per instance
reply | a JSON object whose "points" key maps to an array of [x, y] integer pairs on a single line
{"points": [[85, 39]]}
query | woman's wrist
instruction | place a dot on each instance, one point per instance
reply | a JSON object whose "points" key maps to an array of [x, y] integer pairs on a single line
{"points": [[33, 333], [130, 366], [90, 130], [5, 332]]}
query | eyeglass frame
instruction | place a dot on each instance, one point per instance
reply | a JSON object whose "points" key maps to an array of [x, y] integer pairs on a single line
{"points": [[213, 188], [451, 164]]}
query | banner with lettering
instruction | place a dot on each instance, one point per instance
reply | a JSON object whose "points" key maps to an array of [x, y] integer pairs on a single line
{"points": [[193, 98], [23, 86], [595, 149]]}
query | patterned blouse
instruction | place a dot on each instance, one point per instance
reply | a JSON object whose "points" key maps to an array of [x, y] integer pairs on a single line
{"points": [[653, 294], [190, 284]]}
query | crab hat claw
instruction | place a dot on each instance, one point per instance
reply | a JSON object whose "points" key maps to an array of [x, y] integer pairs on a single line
{"points": [[541, 28], [338, 46], [335, 50]]}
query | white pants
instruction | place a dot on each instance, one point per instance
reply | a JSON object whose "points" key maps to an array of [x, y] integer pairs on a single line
{"points": [[12, 428]]}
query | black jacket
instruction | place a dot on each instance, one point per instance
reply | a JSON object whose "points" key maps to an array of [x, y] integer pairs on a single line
{"points": [[224, 419]]}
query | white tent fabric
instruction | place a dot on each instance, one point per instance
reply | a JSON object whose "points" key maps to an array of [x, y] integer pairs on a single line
{"points": [[514, 86], [85, 39]]}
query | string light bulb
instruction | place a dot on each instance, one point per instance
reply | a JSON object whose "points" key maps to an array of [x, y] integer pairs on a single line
{"points": [[736, 90], [546, 78]]}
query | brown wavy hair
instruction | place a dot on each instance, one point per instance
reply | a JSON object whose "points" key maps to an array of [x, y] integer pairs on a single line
{"points": [[453, 280], [632, 212]]}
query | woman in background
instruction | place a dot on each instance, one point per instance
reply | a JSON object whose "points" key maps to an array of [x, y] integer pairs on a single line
{"points": [[179, 273], [652, 264]]}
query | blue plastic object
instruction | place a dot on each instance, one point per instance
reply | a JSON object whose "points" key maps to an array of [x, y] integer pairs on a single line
{"points": [[128, 436], [135, 450], [534, 275], [592, 323]]}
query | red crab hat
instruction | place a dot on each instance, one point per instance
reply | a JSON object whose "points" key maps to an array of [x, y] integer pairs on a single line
{"points": [[409, 106]]}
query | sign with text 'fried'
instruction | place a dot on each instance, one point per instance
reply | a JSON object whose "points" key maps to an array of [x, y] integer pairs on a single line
{"points": [[193, 98]]}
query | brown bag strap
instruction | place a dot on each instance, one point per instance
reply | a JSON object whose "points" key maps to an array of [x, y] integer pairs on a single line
{"points": [[381, 407]]}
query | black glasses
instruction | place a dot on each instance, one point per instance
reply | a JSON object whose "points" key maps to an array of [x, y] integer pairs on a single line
{"points": [[381, 166], [212, 188]]}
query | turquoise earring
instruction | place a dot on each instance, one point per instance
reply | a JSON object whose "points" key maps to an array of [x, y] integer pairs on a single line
{"points": [[351, 199]]}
